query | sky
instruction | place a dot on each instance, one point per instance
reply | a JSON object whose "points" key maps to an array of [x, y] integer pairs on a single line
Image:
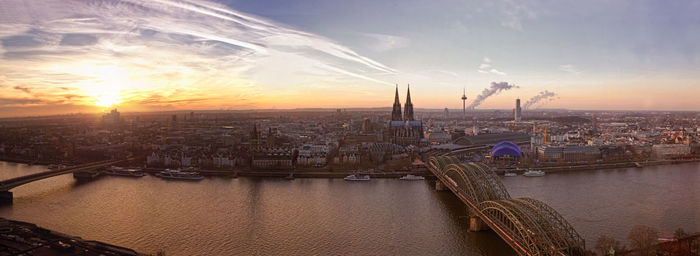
{"points": [[67, 56]]}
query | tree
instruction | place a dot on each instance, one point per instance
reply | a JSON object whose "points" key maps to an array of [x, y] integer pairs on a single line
{"points": [[604, 243], [643, 240], [680, 233]]}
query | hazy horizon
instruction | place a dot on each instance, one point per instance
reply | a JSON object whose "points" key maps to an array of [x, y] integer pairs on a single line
{"points": [[60, 57]]}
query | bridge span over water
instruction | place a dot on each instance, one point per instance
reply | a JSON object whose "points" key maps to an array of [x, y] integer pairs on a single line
{"points": [[528, 225], [6, 185]]}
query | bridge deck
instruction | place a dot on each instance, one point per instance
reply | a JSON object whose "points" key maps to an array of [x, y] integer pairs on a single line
{"points": [[8, 184]]}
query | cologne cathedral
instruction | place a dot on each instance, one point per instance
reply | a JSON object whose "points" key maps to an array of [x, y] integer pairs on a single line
{"points": [[404, 129]]}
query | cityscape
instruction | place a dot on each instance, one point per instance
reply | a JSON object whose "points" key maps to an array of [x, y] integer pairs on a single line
{"points": [[257, 128]]}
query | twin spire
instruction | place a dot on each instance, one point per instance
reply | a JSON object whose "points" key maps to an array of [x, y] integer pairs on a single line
{"points": [[396, 114]]}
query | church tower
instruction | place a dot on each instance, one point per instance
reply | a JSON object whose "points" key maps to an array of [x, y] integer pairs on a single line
{"points": [[408, 108], [396, 111]]}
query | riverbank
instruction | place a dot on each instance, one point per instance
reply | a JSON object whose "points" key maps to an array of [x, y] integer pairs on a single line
{"points": [[25, 238], [298, 173], [598, 166]]}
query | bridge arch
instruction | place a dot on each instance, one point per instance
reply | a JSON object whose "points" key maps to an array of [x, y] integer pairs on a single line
{"points": [[519, 226], [530, 226]]}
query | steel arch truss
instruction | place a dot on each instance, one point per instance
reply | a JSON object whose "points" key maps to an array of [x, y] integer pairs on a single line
{"points": [[530, 226]]}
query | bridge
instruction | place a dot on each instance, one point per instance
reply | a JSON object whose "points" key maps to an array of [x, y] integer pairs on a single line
{"points": [[527, 225], [6, 185]]}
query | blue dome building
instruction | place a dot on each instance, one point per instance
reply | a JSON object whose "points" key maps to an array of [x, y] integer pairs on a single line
{"points": [[506, 148]]}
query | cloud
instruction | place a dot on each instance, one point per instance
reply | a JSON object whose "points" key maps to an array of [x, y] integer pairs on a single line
{"points": [[383, 42], [7, 102], [131, 49], [487, 68], [495, 71], [569, 69], [24, 89], [513, 12]]}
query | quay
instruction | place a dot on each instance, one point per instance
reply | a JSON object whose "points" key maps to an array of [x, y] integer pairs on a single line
{"points": [[22, 238]]}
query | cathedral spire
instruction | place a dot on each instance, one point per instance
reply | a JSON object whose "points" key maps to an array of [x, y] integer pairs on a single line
{"points": [[396, 111], [408, 108]]}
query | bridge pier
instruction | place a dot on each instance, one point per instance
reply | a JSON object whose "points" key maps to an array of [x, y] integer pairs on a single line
{"points": [[476, 224], [439, 186], [5, 197]]}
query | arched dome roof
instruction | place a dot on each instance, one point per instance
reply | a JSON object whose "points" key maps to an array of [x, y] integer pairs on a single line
{"points": [[506, 148]]}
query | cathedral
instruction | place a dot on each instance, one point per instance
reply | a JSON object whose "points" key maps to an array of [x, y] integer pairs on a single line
{"points": [[404, 129]]}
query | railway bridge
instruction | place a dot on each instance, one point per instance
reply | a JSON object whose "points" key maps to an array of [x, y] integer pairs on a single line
{"points": [[529, 226], [6, 185]]}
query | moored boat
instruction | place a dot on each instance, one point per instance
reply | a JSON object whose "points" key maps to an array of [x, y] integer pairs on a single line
{"points": [[119, 171], [412, 177], [533, 173], [510, 174], [179, 175], [357, 177]]}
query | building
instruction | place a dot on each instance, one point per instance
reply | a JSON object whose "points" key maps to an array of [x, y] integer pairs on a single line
{"points": [[518, 111], [669, 151], [404, 129], [111, 118], [273, 159], [569, 153]]}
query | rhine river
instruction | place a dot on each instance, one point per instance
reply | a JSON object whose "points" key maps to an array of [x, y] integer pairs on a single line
{"points": [[247, 216]]}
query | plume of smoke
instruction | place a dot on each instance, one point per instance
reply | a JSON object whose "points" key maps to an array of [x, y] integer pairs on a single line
{"points": [[539, 97], [488, 92]]}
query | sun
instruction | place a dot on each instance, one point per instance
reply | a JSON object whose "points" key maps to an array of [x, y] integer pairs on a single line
{"points": [[107, 85], [106, 100]]}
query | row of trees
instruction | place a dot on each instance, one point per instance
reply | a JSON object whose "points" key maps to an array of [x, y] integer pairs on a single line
{"points": [[644, 241]]}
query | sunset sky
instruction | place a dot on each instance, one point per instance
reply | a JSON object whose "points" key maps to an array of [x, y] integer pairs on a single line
{"points": [[63, 56]]}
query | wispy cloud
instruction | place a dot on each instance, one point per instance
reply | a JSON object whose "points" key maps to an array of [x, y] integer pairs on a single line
{"points": [[514, 12], [134, 48], [487, 68], [569, 69], [384, 42]]}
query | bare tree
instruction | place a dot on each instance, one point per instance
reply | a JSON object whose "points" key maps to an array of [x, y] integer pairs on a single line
{"points": [[680, 233], [643, 240], [605, 243]]}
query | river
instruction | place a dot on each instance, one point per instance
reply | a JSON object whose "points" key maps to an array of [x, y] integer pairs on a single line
{"points": [[249, 216]]}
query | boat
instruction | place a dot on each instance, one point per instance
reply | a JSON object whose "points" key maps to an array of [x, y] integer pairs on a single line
{"points": [[638, 165], [412, 177], [533, 173], [179, 175], [86, 175], [357, 177], [510, 174], [119, 171]]}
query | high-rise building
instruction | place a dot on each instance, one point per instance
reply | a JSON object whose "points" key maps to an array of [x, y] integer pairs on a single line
{"points": [[518, 111], [464, 103], [447, 113]]}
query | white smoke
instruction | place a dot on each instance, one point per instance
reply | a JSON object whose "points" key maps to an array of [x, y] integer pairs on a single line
{"points": [[488, 92], [539, 97]]}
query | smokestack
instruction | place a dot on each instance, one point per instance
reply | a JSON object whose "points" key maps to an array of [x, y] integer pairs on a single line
{"points": [[488, 92]]}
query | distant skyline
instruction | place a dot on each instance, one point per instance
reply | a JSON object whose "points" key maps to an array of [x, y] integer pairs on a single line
{"points": [[64, 56]]}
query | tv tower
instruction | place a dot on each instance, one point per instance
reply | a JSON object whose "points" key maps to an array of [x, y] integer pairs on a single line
{"points": [[464, 104]]}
